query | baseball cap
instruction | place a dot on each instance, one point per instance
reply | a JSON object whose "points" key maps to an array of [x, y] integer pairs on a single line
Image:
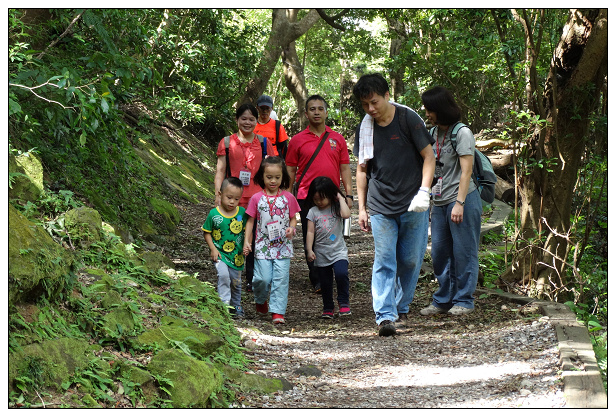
{"points": [[265, 101]]}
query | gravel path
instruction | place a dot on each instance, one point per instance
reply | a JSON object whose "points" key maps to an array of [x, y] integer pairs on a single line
{"points": [[501, 355], [514, 366]]}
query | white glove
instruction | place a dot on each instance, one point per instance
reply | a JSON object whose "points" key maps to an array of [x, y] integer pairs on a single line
{"points": [[421, 202]]}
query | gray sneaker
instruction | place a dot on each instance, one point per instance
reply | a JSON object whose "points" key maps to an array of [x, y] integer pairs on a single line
{"points": [[386, 328], [432, 310], [459, 310]]}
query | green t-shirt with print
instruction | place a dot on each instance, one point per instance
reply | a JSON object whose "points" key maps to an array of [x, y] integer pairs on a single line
{"points": [[227, 235]]}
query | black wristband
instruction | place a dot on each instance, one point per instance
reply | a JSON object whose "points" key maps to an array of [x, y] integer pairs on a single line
{"points": [[349, 196], [460, 202]]}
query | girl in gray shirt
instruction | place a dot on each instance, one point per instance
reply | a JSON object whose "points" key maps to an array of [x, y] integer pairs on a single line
{"points": [[325, 243]]}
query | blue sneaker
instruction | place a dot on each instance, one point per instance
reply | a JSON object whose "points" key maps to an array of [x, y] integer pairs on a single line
{"points": [[237, 312]]}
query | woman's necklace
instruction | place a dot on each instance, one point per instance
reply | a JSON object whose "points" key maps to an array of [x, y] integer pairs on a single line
{"points": [[439, 149]]}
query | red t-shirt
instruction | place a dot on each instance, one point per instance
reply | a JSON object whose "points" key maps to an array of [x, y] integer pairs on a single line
{"points": [[269, 131], [245, 156], [327, 163]]}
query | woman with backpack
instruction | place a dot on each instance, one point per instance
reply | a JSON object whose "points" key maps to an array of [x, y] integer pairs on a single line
{"points": [[457, 208], [240, 155]]}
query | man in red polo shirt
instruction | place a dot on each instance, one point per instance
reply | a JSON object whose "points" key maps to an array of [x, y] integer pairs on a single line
{"points": [[331, 161], [270, 128]]}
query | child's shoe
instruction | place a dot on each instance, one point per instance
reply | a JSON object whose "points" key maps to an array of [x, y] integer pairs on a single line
{"points": [[344, 310], [238, 313], [262, 308], [277, 318], [327, 315]]}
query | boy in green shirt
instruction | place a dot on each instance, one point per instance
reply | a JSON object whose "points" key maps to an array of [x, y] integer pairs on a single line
{"points": [[223, 231]]}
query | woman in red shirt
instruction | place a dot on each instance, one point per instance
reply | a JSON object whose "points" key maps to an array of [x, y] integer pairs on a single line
{"points": [[245, 156]]}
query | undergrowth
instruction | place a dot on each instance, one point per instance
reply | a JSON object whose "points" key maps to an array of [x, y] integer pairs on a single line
{"points": [[110, 267]]}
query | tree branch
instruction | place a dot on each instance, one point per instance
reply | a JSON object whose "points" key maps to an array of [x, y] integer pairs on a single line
{"points": [[51, 45], [31, 89], [331, 20]]}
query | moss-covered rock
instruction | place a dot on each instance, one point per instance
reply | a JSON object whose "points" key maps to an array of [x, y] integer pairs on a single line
{"points": [[37, 264], [57, 360], [90, 402], [29, 185], [112, 298], [254, 382], [193, 381], [207, 301], [120, 320], [168, 212], [102, 282], [185, 173], [140, 377], [173, 331], [154, 261], [84, 225]]}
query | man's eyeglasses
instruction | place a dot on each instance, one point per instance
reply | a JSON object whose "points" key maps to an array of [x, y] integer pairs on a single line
{"points": [[265, 108]]}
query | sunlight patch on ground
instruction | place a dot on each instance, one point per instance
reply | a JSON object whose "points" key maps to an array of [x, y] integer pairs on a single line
{"points": [[440, 376]]}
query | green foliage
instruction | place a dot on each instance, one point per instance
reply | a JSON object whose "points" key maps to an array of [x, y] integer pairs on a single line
{"points": [[73, 76], [492, 265], [33, 373], [96, 379], [164, 383], [68, 101], [129, 388]]}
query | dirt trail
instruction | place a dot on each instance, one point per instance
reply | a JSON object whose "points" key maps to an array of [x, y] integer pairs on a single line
{"points": [[498, 356]]}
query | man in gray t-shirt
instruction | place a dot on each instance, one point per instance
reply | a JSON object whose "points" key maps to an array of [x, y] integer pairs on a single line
{"points": [[395, 168]]}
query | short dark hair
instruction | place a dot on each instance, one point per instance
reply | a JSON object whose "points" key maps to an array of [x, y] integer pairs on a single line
{"points": [[315, 97], [233, 181], [272, 160], [440, 101], [246, 106], [369, 84]]}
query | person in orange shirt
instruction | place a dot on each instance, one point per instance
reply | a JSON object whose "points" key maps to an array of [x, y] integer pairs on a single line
{"points": [[270, 128]]}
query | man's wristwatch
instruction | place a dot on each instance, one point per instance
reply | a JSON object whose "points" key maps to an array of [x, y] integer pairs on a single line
{"points": [[460, 202]]}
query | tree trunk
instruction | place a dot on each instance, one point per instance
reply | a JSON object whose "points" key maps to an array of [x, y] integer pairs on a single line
{"points": [[577, 73], [504, 191], [285, 31], [282, 34], [398, 40], [294, 76]]}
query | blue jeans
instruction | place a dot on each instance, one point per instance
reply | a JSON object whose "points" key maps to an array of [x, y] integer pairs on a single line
{"points": [[340, 269], [271, 280], [229, 284], [455, 253], [399, 246]]}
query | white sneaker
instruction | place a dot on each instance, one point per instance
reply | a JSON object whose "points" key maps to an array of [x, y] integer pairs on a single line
{"points": [[431, 310], [459, 310]]}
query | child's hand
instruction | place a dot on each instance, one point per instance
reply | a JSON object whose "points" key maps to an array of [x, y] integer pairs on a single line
{"points": [[215, 255], [247, 248], [290, 232], [310, 256]]}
